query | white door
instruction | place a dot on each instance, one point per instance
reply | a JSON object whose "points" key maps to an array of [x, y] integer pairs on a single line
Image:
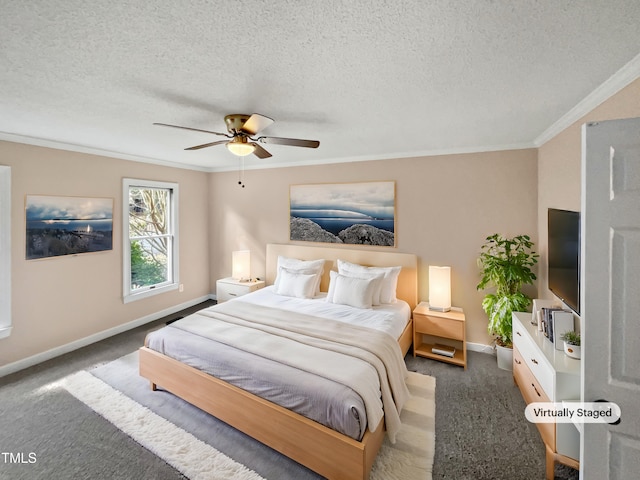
{"points": [[610, 303]]}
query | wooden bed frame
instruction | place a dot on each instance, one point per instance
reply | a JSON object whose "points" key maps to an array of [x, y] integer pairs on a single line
{"points": [[325, 451]]}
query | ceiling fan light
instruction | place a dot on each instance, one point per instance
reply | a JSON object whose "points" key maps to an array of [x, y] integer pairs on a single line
{"points": [[240, 147]]}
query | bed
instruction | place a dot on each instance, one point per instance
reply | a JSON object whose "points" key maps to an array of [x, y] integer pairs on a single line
{"points": [[324, 449]]}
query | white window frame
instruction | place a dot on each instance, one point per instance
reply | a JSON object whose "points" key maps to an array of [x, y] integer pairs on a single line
{"points": [[5, 251], [172, 260]]}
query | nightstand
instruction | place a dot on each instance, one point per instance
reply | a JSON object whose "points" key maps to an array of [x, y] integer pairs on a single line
{"points": [[228, 288], [430, 326]]}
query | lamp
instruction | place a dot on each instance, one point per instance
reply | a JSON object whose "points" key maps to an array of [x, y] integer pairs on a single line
{"points": [[439, 288], [241, 265], [240, 147]]}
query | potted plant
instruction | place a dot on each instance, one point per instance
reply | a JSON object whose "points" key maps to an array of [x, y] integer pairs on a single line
{"points": [[571, 344], [506, 265]]}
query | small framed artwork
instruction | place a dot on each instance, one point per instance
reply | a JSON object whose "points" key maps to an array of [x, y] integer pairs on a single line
{"points": [[350, 213], [59, 225]]}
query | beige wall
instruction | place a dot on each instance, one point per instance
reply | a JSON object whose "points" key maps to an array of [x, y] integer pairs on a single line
{"points": [[445, 207], [559, 164], [60, 300]]}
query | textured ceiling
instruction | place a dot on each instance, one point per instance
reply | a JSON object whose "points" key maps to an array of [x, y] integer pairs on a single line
{"points": [[368, 79]]}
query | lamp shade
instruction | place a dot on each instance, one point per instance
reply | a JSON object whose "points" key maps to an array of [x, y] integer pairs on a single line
{"points": [[241, 265], [440, 288]]}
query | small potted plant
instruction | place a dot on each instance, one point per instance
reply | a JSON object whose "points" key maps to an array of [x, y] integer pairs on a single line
{"points": [[571, 344], [506, 265]]}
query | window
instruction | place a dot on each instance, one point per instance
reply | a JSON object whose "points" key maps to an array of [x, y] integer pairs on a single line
{"points": [[150, 234]]}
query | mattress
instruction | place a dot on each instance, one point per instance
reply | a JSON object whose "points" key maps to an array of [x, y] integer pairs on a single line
{"points": [[328, 402]]}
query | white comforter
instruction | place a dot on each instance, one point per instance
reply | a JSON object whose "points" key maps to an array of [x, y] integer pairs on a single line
{"points": [[391, 318], [366, 360]]}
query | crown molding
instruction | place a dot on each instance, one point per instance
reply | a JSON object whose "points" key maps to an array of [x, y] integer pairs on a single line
{"points": [[388, 156], [623, 77], [71, 147]]}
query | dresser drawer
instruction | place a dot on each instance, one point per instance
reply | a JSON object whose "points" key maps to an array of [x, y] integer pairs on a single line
{"points": [[536, 361], [440, 327], [231, 290], [532, 392], [529, 385]]}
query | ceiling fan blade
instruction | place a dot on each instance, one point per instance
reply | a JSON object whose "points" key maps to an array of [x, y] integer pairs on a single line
{"points": [[260, 152], [295, 142], [193, 129], [256, 123], [205, 145]]}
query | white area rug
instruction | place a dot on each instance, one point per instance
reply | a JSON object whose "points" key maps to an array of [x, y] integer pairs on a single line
{"points": [[411, 458]]}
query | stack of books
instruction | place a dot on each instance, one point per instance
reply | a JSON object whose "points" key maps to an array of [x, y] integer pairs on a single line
{"points": [[547, 324], [554, 323], [445, 350]]}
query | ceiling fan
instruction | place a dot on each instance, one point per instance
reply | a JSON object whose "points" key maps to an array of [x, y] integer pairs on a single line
{"points": [[241, 141]]}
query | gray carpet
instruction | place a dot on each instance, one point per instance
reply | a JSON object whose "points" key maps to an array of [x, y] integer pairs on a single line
{"points": [[481, 432]]}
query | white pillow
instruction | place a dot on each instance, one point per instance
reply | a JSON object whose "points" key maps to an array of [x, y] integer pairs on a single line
{"points": [[389, 282], [377, 278], [352, 291], [332, 285], [305, 266], [295, 284]]}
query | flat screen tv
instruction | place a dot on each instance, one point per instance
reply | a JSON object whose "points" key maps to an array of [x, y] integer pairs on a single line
{"points": [[564, 256]]}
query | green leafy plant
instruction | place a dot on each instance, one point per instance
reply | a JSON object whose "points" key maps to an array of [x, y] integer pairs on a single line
{"points": [[145, 270], [572, 338], [506, 265]]}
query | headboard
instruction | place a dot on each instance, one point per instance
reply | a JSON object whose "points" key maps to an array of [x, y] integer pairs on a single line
{"points": [[407, 280]]}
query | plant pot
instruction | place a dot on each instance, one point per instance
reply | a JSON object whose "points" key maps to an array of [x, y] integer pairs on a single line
{"points": [[505, 357], [572, 351]]}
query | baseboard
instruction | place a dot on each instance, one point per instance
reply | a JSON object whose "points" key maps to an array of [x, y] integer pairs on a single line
{"points": [[480, 347], [96, 337]]}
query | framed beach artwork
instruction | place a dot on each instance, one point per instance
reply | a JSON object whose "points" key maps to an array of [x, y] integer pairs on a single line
{"points": [[59, 225], [350, 213]]}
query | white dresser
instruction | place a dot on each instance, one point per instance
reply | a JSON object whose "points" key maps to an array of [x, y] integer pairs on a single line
{"points": [[545, 374]]}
